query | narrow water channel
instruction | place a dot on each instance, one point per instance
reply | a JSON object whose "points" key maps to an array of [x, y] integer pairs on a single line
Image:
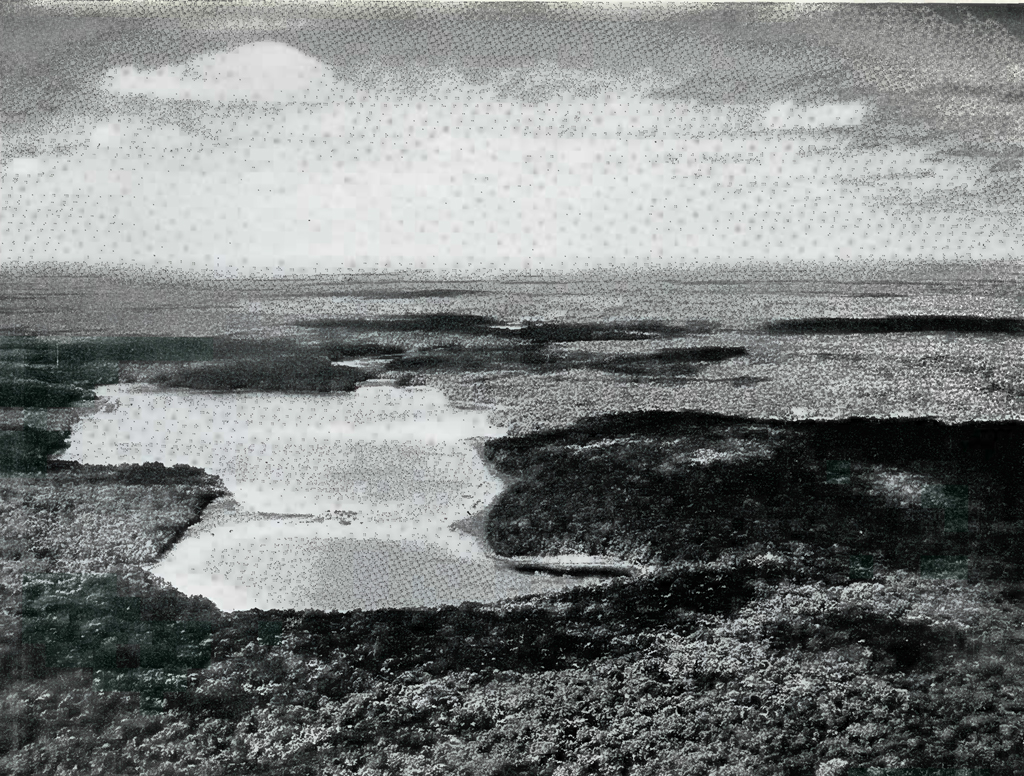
{"points": [[338, 501]]}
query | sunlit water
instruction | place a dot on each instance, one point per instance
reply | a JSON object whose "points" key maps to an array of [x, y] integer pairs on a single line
{"points": [[298, 466]]}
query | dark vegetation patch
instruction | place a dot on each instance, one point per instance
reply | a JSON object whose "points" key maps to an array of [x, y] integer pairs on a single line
{"points": [[135, 671], [339, 351], [440, 323], [138, 636], [88, 374], [744, 381], [899, 324], [195, 480], [420, 293], [21, 392], [879, 295], [35, 372], [578, 624], [43, 373], [537, 357], [686, 486], [480, 359], [273, 373], [481, 325], [594, 332], [70, 513], [28, 449], [900, 644], [137, 349], [370, 290], [826, 355], [71, 622]]}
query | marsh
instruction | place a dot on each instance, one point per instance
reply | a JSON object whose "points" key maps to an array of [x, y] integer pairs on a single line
{"points": [[397, 463]]}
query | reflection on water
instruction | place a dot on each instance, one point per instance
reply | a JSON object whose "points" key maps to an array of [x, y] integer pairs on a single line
{"points": [[390, 449], [400, 459], [282, 564]]}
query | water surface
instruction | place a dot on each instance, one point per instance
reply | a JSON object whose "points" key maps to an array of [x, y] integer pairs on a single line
{"points": [[338, 501]]}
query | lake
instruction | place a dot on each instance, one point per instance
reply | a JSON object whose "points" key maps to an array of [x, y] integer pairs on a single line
{"points": [[338, 501]]}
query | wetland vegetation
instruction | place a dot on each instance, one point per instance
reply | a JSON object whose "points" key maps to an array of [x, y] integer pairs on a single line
{"points": [[825, 597], [900, 324]]}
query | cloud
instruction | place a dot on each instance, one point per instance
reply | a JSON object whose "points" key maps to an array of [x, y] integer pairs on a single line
{"points": [[497, 198], [789, 115], [25, 165], [267, 72], [129, 132], [277, 161]]}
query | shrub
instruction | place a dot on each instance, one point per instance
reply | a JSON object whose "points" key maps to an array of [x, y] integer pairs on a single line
{"points": [[26, 392], [282, 373], [28, 449]]}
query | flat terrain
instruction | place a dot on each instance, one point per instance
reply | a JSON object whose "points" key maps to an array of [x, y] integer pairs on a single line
{"points": [[825, 596]]}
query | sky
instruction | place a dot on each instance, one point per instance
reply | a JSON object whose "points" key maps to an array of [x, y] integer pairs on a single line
{"points": [[312, 137]]}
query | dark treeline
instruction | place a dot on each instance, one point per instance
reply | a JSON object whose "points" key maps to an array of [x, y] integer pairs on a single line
{"points": [[59, 630], [899, 324], [440, 323], [537, 357], [384, 293], [47, 373], [479, 325], [670, 486], [172, 632], [28, 449], [274, 373]]}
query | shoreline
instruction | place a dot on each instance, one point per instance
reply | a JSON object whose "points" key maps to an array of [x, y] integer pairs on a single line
{"points": [[575, 565], [475, 525]]}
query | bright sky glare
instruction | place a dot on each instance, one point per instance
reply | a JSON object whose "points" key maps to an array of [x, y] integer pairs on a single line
{"points": [[253, 154]]}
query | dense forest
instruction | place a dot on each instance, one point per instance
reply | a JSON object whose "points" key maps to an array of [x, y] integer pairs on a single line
{"points": [[676, 486]]}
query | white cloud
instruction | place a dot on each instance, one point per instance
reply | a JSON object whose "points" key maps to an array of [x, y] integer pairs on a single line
{"points": [[106, 135], [258, 72], [140, 136], [556, 202], [789, 115], [387, 177], [24, 166]]}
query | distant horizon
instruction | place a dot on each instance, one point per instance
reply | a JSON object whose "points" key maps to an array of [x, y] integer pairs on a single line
{"points": [[867, 271], [307, 137]]}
